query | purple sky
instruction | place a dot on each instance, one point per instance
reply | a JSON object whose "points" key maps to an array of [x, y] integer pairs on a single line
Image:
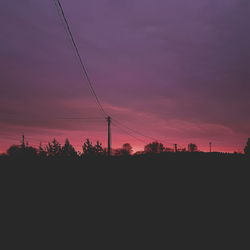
{"points": [[177, 70]]}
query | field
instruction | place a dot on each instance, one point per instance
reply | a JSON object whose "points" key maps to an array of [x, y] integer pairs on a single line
{"points": [[120, 199]]}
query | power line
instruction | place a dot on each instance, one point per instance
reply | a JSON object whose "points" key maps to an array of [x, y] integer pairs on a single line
{"points": [[135, 137], [86, 73], [135, 131], [84, 70], [61, 19], [61, 11], [80, 118], [49, 119], [139, 133]]}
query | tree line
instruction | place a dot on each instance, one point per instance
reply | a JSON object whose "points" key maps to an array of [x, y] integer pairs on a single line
{"points": [[55, 149]]}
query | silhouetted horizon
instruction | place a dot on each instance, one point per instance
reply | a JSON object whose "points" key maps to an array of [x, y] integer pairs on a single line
{"points": [[95, 149]]}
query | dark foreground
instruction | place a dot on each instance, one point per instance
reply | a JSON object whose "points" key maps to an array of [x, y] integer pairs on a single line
{"points": [[162, 174], [171, 200]]}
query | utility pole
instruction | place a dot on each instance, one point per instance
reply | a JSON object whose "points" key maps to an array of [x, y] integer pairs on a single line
{"points": [[175, 148], [210, 147], [109, 135], [23, 141]]}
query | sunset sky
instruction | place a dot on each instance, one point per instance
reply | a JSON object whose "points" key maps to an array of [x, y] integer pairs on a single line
{"points": [[174, 70]]}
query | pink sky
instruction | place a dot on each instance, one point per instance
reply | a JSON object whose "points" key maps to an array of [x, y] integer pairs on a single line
{"points": [[174, 70]]}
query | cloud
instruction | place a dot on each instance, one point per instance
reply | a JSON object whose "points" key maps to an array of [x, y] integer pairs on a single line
{"points": [[174, 67]]}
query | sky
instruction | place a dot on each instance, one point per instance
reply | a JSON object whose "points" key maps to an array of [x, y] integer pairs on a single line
{"points": [[174, 70]]}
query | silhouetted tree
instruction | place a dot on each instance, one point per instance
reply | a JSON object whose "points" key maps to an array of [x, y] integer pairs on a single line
{"points": [[54, 149], [87, 147], [125, 150], [98, 149], [30, 151], [41, 151], [22, 151], [192, 147], [247, 148], [68, 150], [154, 147], [92, 150], [14, 151]]}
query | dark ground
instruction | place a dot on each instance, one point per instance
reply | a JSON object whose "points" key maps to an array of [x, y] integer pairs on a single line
{"points": [[171, 200]]}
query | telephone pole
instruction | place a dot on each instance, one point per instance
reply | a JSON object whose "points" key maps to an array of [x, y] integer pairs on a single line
{"points": [[109, 135], [175, 148], [210, 147], [23, 141]]}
